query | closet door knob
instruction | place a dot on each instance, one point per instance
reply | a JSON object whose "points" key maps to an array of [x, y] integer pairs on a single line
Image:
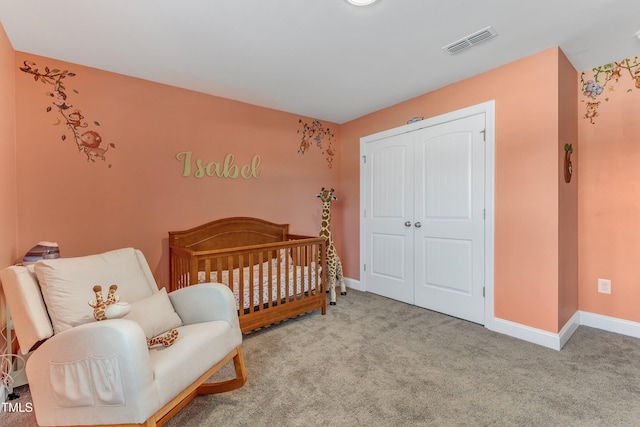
{"points": [[407, 224], [417, 225]]}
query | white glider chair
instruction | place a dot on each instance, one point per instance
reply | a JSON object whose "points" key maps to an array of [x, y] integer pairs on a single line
{"points": [[87, 372]]}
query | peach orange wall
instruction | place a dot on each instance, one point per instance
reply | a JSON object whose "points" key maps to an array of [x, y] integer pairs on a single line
{"points": [[567, 192], [8, 207], [8, 201], [526, 179], [608, 191], [139, 192]]}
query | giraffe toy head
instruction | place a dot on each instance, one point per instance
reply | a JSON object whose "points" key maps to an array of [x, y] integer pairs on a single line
{"points": [[99, 305], [326, 196], [111, 308]]}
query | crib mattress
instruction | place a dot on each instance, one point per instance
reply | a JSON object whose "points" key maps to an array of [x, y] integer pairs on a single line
{"points": [[305, 281]]}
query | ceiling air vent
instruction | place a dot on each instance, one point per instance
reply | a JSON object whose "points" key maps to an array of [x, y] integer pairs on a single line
{"points": [[470, 40]]}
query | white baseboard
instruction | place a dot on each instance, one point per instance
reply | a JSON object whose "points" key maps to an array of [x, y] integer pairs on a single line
{"points": [[527, 333], [557, 341], [611, 324], [353, 284], [569, 328]]}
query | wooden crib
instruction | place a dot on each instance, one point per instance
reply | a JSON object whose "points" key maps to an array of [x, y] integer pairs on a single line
{"points": [[274, 275]]}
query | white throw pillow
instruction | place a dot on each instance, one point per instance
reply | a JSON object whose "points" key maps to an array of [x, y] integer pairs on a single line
{"points": [[154, 314], [67, 283]]}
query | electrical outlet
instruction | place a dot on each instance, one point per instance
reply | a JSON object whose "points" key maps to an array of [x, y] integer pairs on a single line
{"points": [[604, 286]]}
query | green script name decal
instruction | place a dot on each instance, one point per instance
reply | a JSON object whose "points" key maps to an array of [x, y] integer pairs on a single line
{"points": [[225, 169]]}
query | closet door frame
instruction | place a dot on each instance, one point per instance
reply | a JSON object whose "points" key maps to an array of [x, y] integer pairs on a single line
{"points": [[488, 109]]}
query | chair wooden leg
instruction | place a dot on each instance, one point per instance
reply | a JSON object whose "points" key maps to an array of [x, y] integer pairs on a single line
{"points": [[237, 382], [151, 422]]}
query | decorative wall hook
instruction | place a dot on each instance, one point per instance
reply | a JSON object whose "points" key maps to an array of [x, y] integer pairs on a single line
{"points": [[568, 167]]}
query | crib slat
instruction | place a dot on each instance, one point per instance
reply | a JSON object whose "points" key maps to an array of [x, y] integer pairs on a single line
{"points": [[193, 272], [219, 269], [294, 281], [250, 283], [207, 270], [240, 281], [260, 279], [272, 257], [279, 285]]}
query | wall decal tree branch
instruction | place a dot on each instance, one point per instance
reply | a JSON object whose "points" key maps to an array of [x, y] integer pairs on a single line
{"points": [[87, 141], [316, 133]]}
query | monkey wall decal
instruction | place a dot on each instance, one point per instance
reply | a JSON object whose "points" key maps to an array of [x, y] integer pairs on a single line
{"points": [[87, 142]]}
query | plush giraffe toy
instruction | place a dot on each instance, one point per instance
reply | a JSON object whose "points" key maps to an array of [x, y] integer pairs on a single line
{"points": [[334, 265], [166, 339], [110, 309]]}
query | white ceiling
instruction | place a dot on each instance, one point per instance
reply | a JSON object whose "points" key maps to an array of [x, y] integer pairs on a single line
{"points": [[324, 59]]}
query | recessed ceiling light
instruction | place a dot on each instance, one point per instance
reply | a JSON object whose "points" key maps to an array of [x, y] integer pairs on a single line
{"points": [[361, 2], [637, 35]]}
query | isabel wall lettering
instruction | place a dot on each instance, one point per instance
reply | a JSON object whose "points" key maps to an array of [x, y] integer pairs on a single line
{"points": [[225, 169]]}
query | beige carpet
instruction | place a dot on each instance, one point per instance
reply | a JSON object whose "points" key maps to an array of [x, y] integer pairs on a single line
{"points": [[372, 361]]}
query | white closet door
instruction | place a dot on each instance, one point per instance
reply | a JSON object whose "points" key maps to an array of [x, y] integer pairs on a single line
{"points": [[388, 206], [449, 218]]}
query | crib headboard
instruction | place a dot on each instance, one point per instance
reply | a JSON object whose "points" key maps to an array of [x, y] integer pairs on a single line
{"points": [[229, 233]]}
